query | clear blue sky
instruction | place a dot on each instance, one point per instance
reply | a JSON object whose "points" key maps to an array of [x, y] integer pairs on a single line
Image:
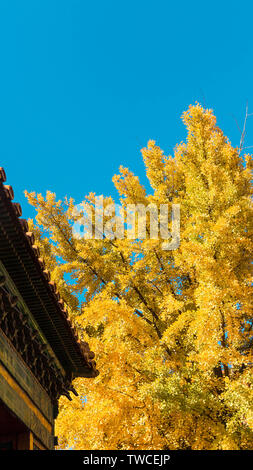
{"points": [[85, 84]]}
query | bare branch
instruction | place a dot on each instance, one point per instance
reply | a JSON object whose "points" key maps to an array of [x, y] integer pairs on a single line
{"points": [[244, 130]]}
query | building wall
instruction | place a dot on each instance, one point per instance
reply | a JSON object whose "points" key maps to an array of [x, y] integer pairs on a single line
{"points": [[23, 395]]}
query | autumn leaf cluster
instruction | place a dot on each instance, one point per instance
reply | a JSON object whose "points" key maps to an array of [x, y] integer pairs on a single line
{"points": [[172, 330]]}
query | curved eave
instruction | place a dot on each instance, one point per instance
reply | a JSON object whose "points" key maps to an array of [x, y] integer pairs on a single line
{"points": [[22, 260]]}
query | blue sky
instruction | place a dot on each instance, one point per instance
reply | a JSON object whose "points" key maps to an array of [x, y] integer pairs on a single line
{"points": [[85, 84]]}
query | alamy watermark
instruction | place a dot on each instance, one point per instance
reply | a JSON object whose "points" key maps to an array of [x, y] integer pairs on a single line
{"points": [[134, 221]]}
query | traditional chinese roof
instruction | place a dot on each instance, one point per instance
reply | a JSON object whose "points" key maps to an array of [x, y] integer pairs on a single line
{"points": [[21, 259]]}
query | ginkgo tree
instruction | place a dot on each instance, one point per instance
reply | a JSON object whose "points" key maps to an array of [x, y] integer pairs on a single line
{"points": [[172, 330]]}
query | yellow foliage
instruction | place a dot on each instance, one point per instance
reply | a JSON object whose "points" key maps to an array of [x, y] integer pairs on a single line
{"points": [[172, 330]]}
